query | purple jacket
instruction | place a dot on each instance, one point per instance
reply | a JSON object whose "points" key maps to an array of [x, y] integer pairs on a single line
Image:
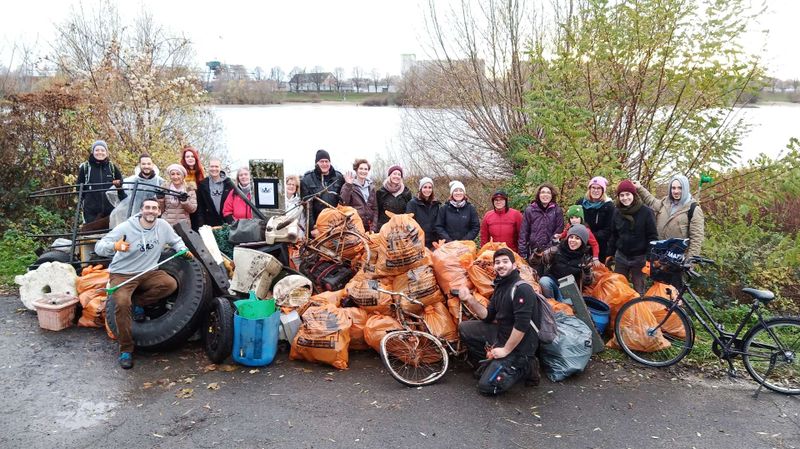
{"points": [[538, 227]]}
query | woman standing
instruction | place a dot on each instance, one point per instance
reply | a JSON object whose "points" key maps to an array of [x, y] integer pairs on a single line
{"points": [[458, 219], [293, 200], [190, 160], [502, 223], [359, 193], [99, 175], [543, 219], [235, 207], [598, 214], [392, 197], [177, 208], [425, 209], [634, 227], [677, 214]]}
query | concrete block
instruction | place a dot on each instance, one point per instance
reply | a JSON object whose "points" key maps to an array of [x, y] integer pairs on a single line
{"points": [[50, 277]]}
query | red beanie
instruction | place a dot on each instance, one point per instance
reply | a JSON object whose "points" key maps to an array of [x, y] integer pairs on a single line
{"points": [[626, 186], [393, 168]]}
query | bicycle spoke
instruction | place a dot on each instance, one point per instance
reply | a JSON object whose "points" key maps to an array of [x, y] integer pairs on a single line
{"points": [[771, 355]]}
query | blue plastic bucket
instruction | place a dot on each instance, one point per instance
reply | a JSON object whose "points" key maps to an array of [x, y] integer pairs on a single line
{"points": [[255, 341], [599, 311]]}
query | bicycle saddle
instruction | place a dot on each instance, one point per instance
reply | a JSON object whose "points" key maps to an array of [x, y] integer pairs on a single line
{"points": [[761, 295]]}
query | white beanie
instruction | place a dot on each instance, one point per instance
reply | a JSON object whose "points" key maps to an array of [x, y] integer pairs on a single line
{"points": [[424, 181], [456, 185]]}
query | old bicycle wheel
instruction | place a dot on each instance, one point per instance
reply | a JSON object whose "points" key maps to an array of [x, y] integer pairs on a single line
{"points": [[414, 358], [642, 339], [771, 354]]}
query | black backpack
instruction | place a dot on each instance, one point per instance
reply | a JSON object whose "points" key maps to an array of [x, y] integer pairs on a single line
{"points": [[547, 329]]}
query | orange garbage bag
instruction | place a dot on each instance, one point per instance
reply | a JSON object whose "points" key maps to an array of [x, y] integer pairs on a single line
{"points": [[634, 329], [402, 246], [361, 290], [333, 298], [92, 278], [450, 263], [323, 337], [420, 284], [94, 308], [377, 326], [481, 272], [560, 307], [454, 307], [611, 288], [439, 322], [359, 320], [332, 220], [673, 325]]}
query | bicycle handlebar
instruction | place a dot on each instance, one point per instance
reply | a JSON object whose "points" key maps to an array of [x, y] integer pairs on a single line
{"points": [[400, 294]]}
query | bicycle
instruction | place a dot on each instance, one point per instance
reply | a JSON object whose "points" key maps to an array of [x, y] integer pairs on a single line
{"points": [[413, 355], [769, 349]]}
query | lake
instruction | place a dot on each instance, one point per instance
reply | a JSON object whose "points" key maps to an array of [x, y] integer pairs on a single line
{"points": [[294, 132]]}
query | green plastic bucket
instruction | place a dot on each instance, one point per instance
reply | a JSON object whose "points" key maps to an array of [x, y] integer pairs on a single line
{"points": [[254, 308]]}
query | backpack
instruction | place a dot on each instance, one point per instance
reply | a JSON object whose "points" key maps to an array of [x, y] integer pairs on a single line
{"points": [[690, 214], [547, 329]]}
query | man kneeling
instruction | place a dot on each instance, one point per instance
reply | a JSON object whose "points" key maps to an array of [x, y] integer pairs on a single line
{"points": [[146, 234], [503, 336]]}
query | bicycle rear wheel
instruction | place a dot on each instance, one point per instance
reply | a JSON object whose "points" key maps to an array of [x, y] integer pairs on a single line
{"points": [[414, 358], [644, 338], [771, 354]]}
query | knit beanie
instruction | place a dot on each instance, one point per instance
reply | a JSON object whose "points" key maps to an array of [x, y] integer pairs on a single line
{"points": [[500, 193], [99, 143], [393, 168], [626, 186], [599, 181], [581, 231], [456, 185], [322, 154], [178, 167], [575, 211], [424, 181]]}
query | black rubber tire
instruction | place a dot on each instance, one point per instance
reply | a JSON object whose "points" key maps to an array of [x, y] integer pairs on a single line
{"points": [[679, 346], [759, 347], [217, 330], [425, 372], [53, 255], [189, 305]]}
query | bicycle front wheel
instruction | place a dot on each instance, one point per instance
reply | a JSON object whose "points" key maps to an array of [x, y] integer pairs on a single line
{"points": [[645, 336], [771, 354], [414, 358]]}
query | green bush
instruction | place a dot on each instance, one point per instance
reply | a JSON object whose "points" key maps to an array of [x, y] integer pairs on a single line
{"points": [[16, 253]]}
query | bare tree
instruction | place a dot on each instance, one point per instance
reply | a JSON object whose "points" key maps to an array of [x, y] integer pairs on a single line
{"points": [[258, 73], [276, 74], [376, 78], [317, 77], [338, 73], [296, 77], [358, 78]]}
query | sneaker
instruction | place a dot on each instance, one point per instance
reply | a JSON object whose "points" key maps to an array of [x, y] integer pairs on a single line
{"points": [[126, 360], [138, 314], [533, 372]]}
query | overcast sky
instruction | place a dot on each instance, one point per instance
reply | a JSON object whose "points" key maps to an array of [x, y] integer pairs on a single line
{"points": [[345, 33]]}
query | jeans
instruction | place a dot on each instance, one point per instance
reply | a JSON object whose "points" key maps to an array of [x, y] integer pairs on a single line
{"points": [[631, 268], [550, 288]]}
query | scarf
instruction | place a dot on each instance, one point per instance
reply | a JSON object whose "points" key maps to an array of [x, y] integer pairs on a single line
{"points": [[245, 189], [458, 204], [586, 203], [394, 189], [543, 207], [629, 211], [363, 188]]}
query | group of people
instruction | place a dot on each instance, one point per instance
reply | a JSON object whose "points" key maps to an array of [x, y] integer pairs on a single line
{"points": [[199, 196]]}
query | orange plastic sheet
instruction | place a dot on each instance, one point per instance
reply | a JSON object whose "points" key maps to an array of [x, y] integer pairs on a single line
{"points": [[450, 263], [439, 322], [401, 246], [361, 290], [377, 326], [634, 329], [323, 337], [611, 288], [359, 321], [420, 284]]}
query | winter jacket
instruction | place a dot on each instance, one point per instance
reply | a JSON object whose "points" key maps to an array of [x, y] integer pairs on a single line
{"points": [[538, 228], [676, 225], [146, 245], [100, 173], [207, 213], [235, 208], [425, 214], [351, 195], [173, 210], [458, 223], [314, 182], [514, 313], [388, 202], [502, 226], [593, 245], [598, 220], [560, 261], [146, 188], [633, 242]]}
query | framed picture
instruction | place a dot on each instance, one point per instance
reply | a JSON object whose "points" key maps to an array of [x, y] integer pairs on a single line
{"points": [[266, 193]]}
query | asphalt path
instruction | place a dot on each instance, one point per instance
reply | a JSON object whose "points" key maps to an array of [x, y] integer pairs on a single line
{"points": [[64, 390]]}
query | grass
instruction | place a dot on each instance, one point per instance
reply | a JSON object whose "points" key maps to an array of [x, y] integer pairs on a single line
{"points": [[316, 97]]}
